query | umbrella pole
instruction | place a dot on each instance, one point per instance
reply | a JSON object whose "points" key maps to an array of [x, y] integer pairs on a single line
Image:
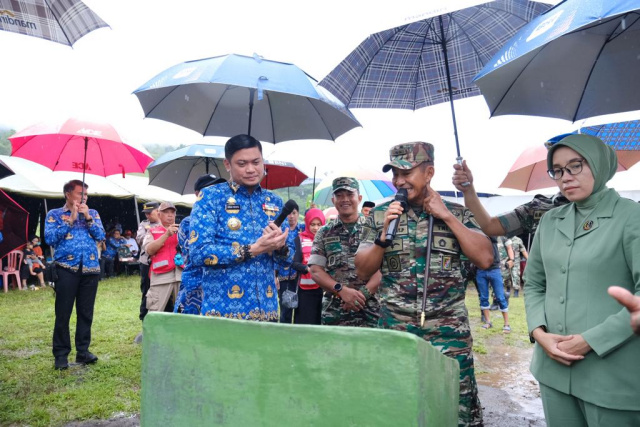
{"points": [[206, 165], [46, 210], [84, 165], [453, 110], [313, 191], [135, 204], [252, 93], [427, 264]]}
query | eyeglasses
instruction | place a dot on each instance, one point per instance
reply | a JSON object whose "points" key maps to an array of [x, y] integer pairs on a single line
{"points": [[572, 168]]}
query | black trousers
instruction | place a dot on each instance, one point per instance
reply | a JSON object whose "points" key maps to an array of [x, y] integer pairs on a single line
{"points": [[145, 283], [309, 311], [285, 313], [80, 289]]}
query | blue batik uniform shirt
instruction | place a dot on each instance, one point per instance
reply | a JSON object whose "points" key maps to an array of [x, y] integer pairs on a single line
{"points": [[188, 302], [74, 244], [225, 218], [112, 247], [285, 272]]}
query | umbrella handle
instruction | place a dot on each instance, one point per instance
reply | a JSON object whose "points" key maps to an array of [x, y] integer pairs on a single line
{"points": [[459, 161]]}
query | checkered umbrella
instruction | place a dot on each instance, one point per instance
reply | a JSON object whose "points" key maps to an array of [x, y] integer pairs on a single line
{"points": [[61, 21], [429, 61]]}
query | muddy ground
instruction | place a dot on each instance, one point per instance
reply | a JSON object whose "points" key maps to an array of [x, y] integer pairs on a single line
{"points": [[509, 394]]}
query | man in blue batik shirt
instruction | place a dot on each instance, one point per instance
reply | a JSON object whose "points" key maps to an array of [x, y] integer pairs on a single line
{"points": [[233, 236], [73, 231], [190, 302]]}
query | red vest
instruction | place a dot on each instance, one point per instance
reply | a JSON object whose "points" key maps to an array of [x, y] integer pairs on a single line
{"points": [[306, 281], [163, 260]]}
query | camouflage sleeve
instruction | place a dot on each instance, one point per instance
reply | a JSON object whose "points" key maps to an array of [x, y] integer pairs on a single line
{"points": [[468, 220], [368, 233], [511, 223], [525, 218], [318, 254]]}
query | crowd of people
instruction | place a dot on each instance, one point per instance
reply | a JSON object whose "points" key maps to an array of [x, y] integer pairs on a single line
{"points": [[400, 265]]}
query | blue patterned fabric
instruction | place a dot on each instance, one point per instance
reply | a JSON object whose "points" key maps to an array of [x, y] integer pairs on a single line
{"points": [[285, 272], [225, 218], [189, 300], [112, 247], [74, 244], [404, 67], [621, 136]]}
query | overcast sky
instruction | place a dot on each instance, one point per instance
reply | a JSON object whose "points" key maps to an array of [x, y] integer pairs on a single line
{"points": [[95, 79]]}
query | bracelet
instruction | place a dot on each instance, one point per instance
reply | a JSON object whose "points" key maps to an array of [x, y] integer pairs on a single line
{"points": [[246, 253]]}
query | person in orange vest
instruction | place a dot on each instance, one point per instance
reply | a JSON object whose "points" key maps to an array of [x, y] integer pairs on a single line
{"points": [[161, 243]]}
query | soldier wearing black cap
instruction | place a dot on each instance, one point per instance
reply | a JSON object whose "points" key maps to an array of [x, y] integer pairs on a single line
{"points": [[366, 207], [150, 210]]}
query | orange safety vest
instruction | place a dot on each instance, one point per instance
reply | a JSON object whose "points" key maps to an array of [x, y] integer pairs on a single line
{"points": [[163, 260]]}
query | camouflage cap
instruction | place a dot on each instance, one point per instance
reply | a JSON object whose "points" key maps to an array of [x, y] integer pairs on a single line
{"points": [[409, 155], [345, 183]]}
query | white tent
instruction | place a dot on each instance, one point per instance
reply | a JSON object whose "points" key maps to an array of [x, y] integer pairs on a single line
{"points": [[32, 179]]}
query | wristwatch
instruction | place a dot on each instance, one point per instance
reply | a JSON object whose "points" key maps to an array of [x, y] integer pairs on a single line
{"points": [[382, 244], [337, 288]]}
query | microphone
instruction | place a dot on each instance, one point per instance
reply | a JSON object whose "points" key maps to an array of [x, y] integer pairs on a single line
{"points": [[401, 196], [286, 210]]}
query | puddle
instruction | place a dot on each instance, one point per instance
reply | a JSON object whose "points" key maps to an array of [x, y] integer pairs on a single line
{"points": [[509, 394]]}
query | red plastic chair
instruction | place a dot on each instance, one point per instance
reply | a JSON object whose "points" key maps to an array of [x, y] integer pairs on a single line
{"points": [[11, 266]]}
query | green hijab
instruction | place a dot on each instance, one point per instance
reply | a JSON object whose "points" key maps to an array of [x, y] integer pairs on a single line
{"points": [[602, 158]]}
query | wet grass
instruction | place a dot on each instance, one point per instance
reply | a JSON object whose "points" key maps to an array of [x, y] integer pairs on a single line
{"points": [[519, 336], [33, 393]]}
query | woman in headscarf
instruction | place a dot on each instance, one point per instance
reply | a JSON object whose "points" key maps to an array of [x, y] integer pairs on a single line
{"points": [[309, 311], [586, 356]]}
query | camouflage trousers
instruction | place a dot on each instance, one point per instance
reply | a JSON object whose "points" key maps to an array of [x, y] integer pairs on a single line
{"points": [[334, 315], [454, 342], [515, 276]]}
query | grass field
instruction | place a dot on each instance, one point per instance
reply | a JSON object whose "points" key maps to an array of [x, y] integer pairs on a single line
{"points": [[33, 393]]}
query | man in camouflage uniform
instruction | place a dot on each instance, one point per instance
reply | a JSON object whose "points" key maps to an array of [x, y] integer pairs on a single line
{"points": [[348, 301], [402, 262], [518, 251]]}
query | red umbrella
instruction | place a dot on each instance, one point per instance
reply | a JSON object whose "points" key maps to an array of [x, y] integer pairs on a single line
{"points": [[281, 174], [13, 224], [529, 172], [79, 146]]}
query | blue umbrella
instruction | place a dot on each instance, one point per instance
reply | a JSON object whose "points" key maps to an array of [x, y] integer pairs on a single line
{"points": [[578, 60], [233, 94], [622, 136], [429, 61], [179, 170]]}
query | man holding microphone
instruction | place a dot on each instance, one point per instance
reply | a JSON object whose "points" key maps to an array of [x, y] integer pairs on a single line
{"points": [[403, 260]]}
